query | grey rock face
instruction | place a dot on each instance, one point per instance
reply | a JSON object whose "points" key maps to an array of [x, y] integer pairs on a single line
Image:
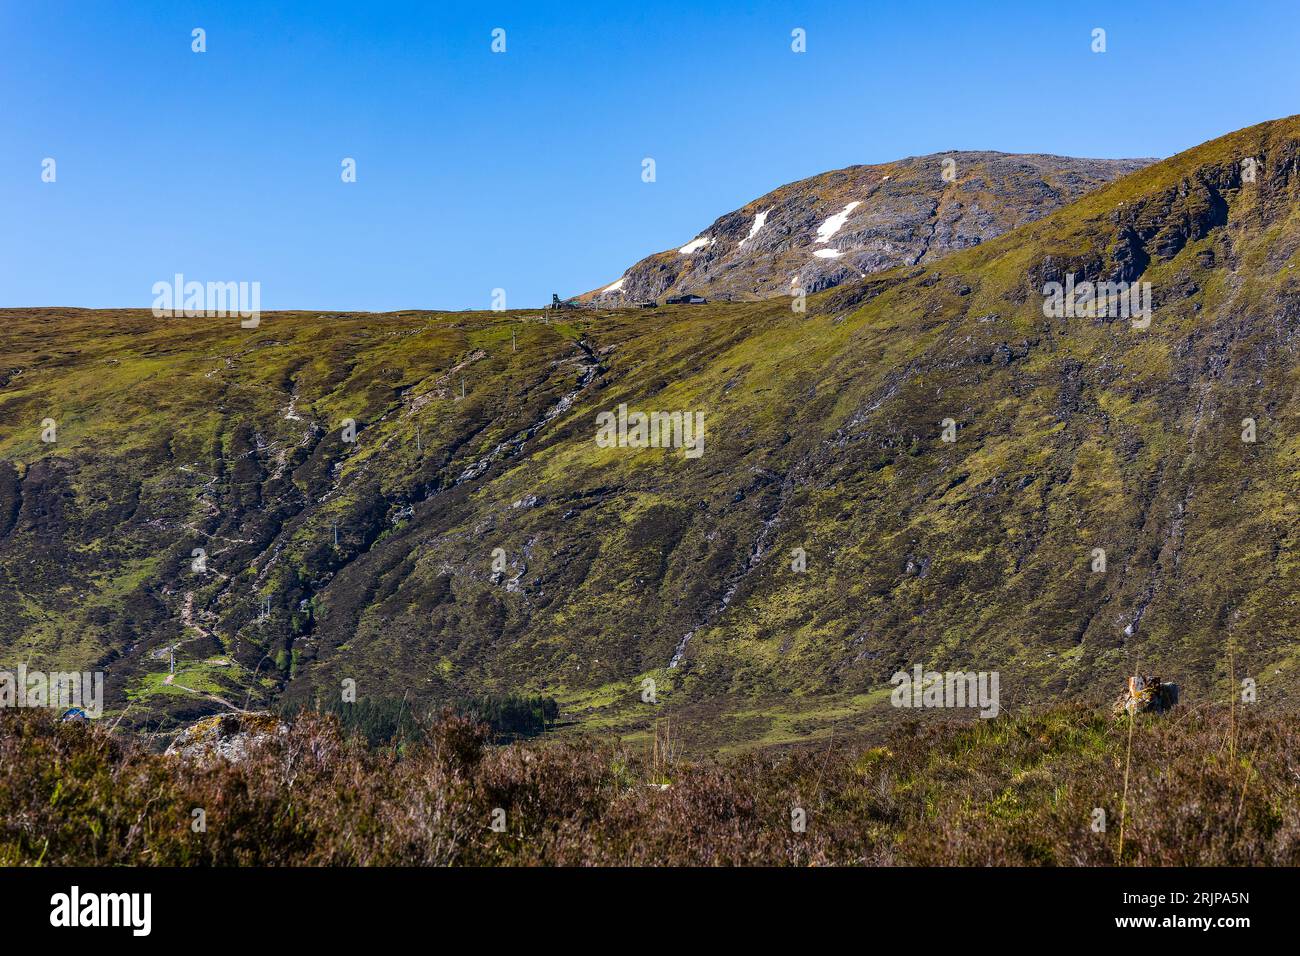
{"points": [[849, 223]]}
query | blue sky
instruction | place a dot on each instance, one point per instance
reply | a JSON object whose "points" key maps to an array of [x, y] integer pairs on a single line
{"points": [[522, 170]]}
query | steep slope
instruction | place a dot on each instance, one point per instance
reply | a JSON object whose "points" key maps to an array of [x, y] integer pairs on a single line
{"points": [[823, 433], [848, 223]]}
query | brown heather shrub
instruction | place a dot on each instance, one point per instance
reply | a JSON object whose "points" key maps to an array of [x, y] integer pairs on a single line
{"points": [[1017, 790]]}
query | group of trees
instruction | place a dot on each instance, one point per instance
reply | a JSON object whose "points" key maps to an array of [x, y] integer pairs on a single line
{"points": [[513, 717], [388, 720]]}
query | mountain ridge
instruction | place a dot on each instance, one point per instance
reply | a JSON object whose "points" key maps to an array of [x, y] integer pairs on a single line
{"points": [[824, 433], [847, 223]]}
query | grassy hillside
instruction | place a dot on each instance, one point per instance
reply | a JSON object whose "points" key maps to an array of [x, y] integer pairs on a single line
{"points": [[823, 432]]}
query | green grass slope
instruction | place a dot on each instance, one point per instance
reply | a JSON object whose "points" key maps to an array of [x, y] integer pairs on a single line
{"points": [[822, 433]]}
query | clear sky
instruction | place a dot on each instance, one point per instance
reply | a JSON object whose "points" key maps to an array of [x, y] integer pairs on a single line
{"points": [[522, 170]]}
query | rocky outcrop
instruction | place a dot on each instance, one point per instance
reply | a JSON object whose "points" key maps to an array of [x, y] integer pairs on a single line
{"points": [[1147, 693], [228, 736]]}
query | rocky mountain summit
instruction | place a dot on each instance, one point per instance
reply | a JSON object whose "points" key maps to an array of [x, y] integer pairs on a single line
{"points": [[846, 224]]}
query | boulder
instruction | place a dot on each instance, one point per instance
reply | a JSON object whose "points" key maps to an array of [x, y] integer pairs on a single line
{"points": [[228, 736], [1147, 693]]}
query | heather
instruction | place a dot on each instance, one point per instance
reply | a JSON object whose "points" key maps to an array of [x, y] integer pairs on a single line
{"points": [[1206, 786]]}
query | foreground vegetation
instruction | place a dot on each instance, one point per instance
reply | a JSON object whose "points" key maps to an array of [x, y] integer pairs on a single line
{"points": [[1204, 787]]}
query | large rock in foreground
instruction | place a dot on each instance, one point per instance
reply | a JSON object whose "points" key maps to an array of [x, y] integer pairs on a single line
{"points": [[229, 736]]}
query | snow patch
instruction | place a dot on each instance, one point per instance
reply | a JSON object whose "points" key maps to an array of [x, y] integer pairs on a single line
{"points": [[614, 286], [828, 253], [833, 224], [695, 245], [759, 220]]}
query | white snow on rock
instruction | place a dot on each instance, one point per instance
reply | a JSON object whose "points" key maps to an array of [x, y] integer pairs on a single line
{"points": [[614, 286], [833, 224], [695, 245], [828, 253], [759, 220]]}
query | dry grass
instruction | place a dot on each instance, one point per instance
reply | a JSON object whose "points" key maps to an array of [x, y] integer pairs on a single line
{"points": [[1020, 789]]}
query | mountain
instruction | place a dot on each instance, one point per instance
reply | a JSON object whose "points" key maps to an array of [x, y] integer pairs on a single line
{"points": [[848, 223], [490, 538]]}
